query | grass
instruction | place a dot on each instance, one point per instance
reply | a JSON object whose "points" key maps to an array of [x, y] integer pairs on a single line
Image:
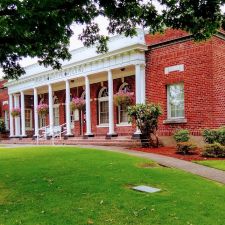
{"points": [[217, 164], [66, 185]]}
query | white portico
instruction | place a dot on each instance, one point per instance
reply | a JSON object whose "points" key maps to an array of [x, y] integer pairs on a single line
{"points": [[97, 77]]}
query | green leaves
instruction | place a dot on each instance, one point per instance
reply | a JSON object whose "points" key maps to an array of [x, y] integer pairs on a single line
{"points": [[42, 29]]}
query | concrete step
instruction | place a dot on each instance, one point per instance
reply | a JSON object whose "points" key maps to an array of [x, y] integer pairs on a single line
{"points": [[123, 142]]}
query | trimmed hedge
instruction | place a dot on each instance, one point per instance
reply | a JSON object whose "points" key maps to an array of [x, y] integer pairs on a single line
{"points": [[215, 150], [212, 136], [185, 147], [182, 135]]}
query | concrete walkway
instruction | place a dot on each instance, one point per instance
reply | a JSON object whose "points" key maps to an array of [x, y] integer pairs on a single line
{"points": [[204, 171]]}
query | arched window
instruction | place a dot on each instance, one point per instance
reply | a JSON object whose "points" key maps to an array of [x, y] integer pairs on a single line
{"points": [[122, 109], [103, 106]]}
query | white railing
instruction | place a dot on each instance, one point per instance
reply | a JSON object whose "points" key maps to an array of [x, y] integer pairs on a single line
{"points": [[58, 131]]}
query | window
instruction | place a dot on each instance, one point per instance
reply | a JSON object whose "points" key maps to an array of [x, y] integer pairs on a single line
{"points": [[56, 115], [6, 120], [28, 118], [103, 106], [122, 110], [175, 98], [42, 121]]}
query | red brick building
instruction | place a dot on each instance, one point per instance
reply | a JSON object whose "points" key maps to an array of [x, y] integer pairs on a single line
{"points": [[4, 110], [185, 77]]}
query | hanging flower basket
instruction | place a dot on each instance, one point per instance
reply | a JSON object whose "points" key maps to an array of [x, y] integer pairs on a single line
{"points": [[42, 109], [124, 98], [77, 103], [15, 112]]}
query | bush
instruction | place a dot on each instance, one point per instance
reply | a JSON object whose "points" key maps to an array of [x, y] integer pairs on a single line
{"points": [[215, 150], [146, 118], [2, 126], [221, 135], [212, 136], [185, 147], [181, 136]]}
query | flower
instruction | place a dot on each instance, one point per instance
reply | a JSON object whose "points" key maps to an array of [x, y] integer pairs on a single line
{"points": [[15, 112], [42, 109], [77, 103], [124, 98]]}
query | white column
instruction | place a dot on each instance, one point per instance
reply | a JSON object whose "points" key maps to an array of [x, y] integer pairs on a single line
{"points": [[111, 111], [17, 119], [35, 112], [143, 86], [88, 107], [10, 116], [50, 103], [68, 111], [22, 114], [138, 91]]}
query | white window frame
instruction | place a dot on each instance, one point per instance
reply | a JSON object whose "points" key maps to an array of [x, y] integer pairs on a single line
{"points": [[124, 84], [102, 99], [6, 119], [56, 106], [42, 121], [31, 119], [168, 103]]}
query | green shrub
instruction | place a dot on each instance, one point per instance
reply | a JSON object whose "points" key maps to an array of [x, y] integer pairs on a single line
{"points": [[146, 116], [215, 150], [181, 136], [2, 126], [212, 136], [221, 135], [185, 147]]}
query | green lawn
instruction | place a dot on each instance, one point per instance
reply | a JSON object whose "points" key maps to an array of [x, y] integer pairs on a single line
{"points": [[66, 185], [218, 164]]}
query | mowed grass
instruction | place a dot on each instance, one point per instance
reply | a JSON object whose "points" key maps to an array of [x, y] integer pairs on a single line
{"points": [[66, 185], [217, 164]]}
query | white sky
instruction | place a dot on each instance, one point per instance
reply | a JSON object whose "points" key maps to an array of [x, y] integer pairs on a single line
{"points": [[75, 43]]}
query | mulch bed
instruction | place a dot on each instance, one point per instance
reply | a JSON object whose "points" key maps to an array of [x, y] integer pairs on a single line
{"points": [[171, 151]]}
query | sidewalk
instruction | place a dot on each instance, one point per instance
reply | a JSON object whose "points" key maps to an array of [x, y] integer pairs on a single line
{"points": [[204, 171]]}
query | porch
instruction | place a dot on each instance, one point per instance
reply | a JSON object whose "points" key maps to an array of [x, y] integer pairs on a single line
{"points": [[91, 77]]}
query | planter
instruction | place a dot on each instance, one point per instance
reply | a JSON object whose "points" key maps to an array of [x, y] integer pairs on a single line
{"points": [[15, 112], [77, 103], [123, 98], [43, 109]]}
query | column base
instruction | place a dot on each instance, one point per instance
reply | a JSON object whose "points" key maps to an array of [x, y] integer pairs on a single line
{"points": [[86, 136], [24, 136], [16, 136], [136, 136], [68, 136], [109, 136]]}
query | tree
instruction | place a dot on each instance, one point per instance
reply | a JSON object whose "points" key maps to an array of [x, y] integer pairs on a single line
{"points": [[42, 28]]}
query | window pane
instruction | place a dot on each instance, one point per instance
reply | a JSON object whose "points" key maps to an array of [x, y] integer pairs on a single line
{"points": [[176, 100], [104, 112], [27, 118], [123, 114], [56, 116]]}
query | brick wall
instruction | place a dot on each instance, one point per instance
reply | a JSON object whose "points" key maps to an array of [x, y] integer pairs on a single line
{"points": [[219, 81], [203, 79]]}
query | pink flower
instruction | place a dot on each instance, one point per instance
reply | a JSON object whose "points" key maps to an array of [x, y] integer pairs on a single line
{"points": [[77, 103], [42, 109], [123, 97]]}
